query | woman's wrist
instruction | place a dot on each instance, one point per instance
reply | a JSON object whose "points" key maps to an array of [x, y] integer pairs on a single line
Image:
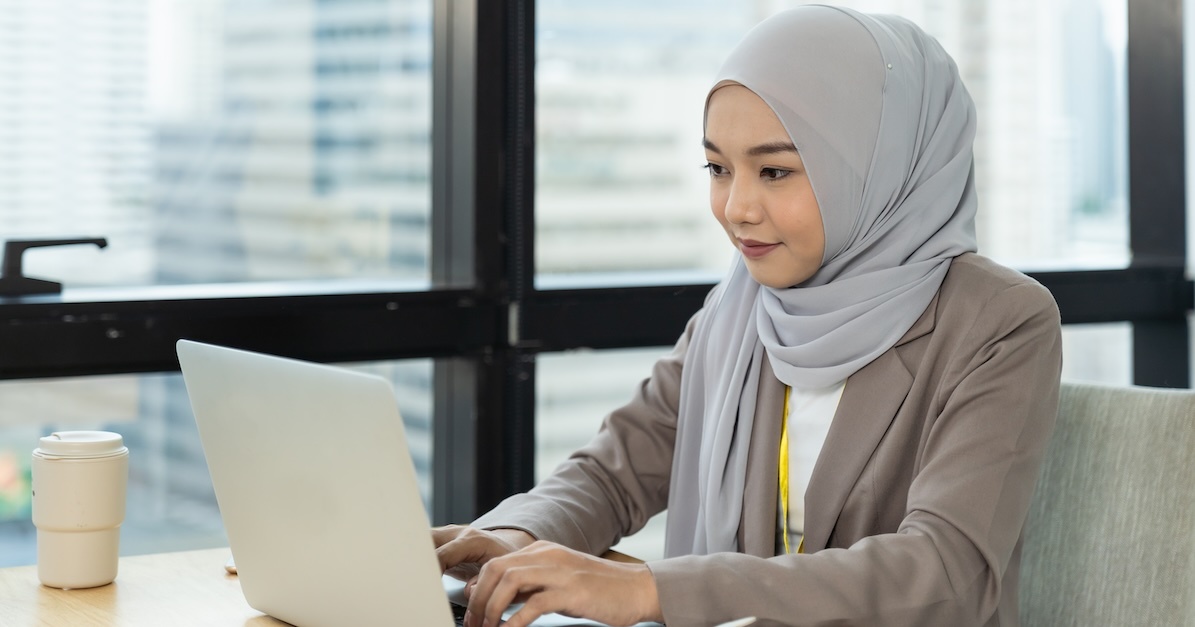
{"points": [[517, 538], [650, 602]]}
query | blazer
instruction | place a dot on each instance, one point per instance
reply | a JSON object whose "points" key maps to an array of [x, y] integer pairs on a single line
{"points": [[915, 508]]}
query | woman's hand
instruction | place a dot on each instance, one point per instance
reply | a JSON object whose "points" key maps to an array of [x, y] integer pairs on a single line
{"points": [[548, 577], [463, 550]]}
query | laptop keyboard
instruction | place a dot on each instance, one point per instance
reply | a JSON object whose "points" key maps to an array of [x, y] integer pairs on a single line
{"points": [[458, 614]]}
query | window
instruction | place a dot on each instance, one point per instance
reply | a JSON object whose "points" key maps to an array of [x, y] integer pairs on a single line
{"points": [[356, 182], [170, 505], [267, 144], [218, 141], [620, 92]]}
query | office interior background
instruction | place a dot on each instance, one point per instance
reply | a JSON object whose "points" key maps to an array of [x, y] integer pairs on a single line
{"points": [[498, 206]]}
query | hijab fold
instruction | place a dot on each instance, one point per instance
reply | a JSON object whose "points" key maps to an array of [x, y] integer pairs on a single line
{"points": [[885, 129]]}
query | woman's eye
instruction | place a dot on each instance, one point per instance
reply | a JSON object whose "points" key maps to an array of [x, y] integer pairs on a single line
{"points": [[714, 169], [773, 174]]}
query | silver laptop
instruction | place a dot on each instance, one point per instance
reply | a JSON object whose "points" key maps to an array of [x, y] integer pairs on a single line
{"points": [[317, 491]]}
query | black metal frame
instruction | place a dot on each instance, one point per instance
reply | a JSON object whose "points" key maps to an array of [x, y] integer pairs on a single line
{"points": [[486, 321], [1157, 183]]}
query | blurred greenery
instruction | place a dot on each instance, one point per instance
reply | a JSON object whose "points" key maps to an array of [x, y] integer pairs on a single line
{"points": [[16, 500]]}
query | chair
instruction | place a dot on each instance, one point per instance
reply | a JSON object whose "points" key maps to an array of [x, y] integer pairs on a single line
{"points": [[1110, 538]]}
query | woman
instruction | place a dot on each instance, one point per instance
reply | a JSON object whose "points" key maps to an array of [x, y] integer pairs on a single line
{"points": [[910, 383]]}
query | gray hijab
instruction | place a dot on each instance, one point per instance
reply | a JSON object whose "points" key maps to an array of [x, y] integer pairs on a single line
{"points": [[885, 127]]}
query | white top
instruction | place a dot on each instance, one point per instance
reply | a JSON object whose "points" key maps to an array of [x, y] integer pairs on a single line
{"points": [[810, 412]]}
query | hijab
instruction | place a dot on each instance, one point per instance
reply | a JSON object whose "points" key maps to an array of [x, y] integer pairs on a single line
{"points": [[884, 126]]}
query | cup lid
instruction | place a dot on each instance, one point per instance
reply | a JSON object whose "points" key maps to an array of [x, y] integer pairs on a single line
{"points": [[82, 444]]}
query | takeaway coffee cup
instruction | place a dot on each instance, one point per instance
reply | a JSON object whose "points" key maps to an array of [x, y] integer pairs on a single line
{"points": [[79, 484]]}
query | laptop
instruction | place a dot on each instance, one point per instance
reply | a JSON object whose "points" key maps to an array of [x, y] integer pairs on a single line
{"points": [[317, 491]]}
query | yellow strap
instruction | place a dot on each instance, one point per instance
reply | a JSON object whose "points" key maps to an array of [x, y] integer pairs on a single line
{"points": [[784, 471], [784, 477]]}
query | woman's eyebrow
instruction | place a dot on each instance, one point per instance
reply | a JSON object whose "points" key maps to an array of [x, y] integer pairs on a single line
{"points": [[769, 148]]}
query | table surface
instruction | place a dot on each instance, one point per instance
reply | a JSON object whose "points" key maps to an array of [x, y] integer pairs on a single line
{"points": [[189, 588]]}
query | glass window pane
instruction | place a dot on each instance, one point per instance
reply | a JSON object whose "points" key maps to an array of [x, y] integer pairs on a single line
{"points": [[1098, 353], [620, 88], [574, 392], [171, 506], [217, 140]]}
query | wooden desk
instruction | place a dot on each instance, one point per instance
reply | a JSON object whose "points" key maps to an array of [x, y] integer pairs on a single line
{"points": [[188, 588]]}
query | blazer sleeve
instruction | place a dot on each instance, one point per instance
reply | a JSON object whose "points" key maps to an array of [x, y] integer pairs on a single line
{"points": [[612, 486], [944, 565]]}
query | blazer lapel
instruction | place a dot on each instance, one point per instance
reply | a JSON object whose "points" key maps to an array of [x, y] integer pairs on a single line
{"points": [[869, 403]]}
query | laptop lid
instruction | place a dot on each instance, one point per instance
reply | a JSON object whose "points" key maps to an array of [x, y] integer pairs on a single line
{"points": [[316, 489]]}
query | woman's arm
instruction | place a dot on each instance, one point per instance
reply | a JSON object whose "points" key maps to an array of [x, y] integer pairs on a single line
{"points": [[617, 481], [606, 490]]}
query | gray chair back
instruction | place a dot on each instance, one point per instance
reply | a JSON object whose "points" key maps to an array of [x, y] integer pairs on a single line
{"points": [[1110, 538]]}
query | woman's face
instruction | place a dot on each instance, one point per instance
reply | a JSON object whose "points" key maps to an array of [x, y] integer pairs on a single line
{"points": [[759, 190]]}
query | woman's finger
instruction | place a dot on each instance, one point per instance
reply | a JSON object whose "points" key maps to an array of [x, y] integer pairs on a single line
{"points": [[469, 548], [514, 581], [447, 533], [483, 587], [463, 572], [544, 602]]}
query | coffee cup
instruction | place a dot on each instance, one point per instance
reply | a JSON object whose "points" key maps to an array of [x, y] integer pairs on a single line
{"points": [[80, 479]]}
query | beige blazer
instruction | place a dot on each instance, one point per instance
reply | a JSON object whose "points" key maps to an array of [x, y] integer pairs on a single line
{"points": [[915, 508]]}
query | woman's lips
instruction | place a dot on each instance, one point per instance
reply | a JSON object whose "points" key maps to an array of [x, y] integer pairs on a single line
{"points": [[754, 250]]}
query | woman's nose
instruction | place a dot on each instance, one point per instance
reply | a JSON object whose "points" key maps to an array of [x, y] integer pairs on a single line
{"points": [[743, 204]]}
